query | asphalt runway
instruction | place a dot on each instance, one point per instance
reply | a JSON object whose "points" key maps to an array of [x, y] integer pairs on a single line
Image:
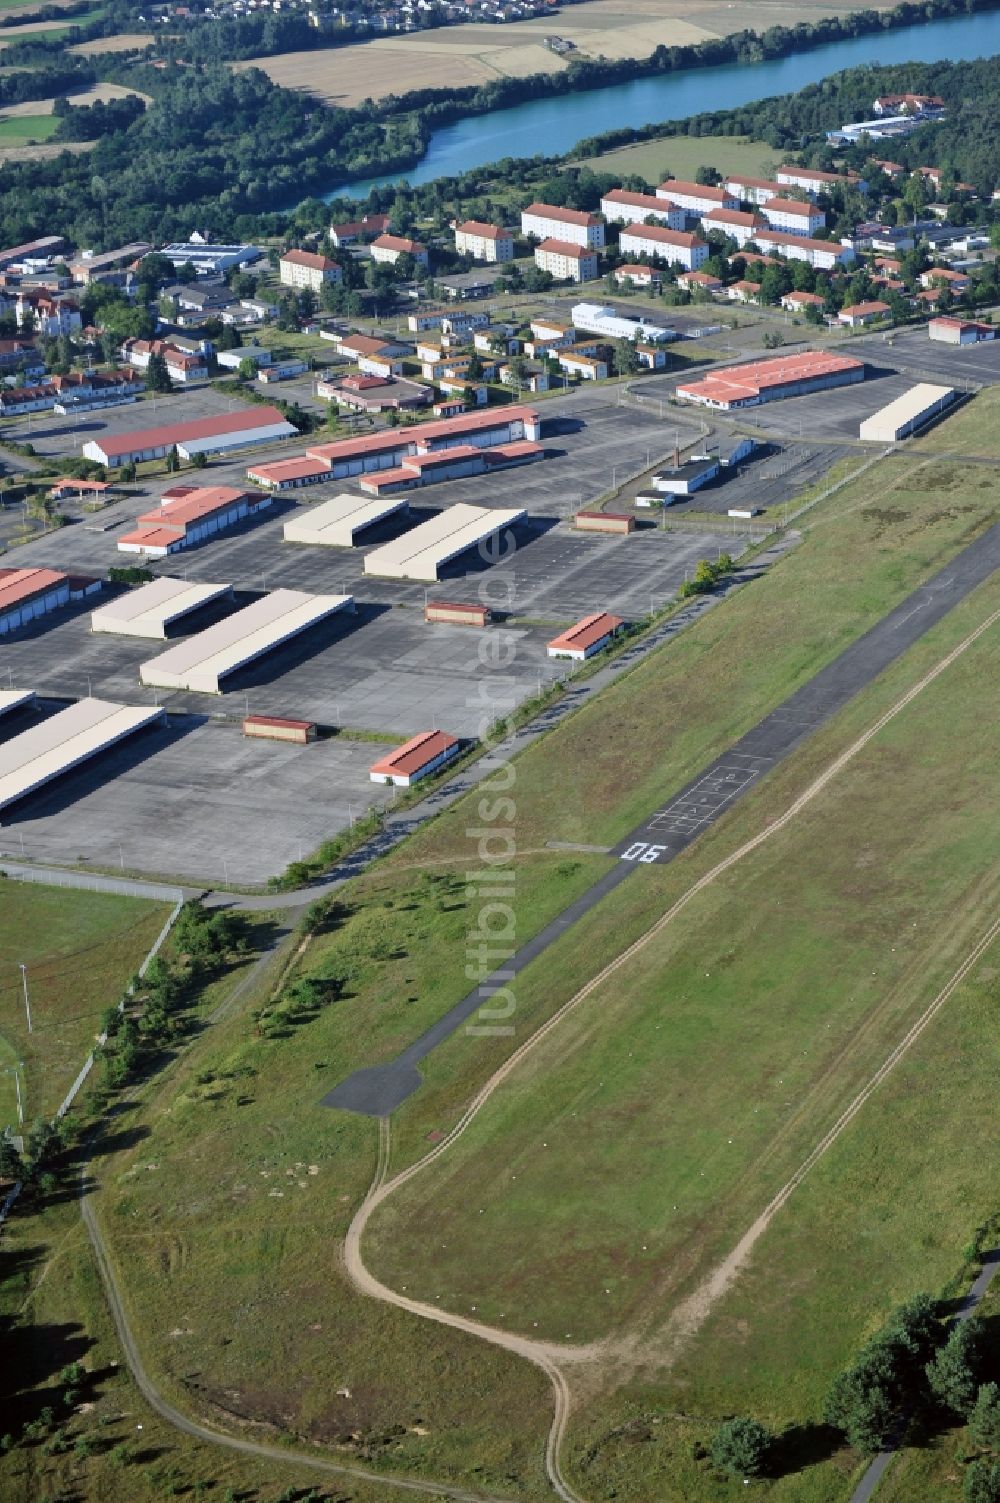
{"points": [[379, 1090]]}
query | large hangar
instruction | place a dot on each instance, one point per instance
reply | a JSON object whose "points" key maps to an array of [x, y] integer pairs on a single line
{"points": [[907, 413], [210, 435], [202, 661], [62, 742], [15, 699], [150, 610], [422, 552], [335, 523]]}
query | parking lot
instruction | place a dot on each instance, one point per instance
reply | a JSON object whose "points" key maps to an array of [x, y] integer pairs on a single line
{"points": [[196, 800], [913, 352]]}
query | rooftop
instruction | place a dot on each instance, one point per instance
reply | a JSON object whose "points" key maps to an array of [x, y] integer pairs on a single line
{"points": [[568, 216]]}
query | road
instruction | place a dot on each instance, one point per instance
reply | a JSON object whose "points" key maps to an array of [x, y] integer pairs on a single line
{"points": [[878, 1468]]}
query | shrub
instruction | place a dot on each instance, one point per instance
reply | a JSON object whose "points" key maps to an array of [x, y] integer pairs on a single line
{"points": [[740, 1447]]}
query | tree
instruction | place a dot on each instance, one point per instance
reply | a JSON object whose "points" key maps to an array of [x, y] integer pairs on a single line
{"points": [[624, 357], [199, 461], [866, 1400], [984, 1421], [740, 1447], [157, 375], [11, 1166], [517, 372], [173, 461], [955, 1371], [982, 1482], [247, 370], [475, 367], [230, 338]]}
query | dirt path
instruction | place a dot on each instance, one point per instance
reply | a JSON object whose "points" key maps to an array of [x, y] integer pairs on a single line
{"points": [[552, 1358]]}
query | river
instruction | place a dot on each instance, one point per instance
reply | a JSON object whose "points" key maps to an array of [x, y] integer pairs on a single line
{"points": [[554, 126]]}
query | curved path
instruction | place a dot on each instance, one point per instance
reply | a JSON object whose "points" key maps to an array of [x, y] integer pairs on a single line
{"points": [[551, 1357]]}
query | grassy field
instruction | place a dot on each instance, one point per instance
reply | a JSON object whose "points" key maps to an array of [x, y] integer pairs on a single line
{"points": [[704, 1071], [123, 42], [32, 108], [25, 128], [470, 54], [80, 948], [681, 156], [973, 430]]}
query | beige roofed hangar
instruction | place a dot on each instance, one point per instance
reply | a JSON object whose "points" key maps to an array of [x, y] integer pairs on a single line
{"points": [[422, 552], [62, 742], [336, 522], [200, 662], [148, 611]]}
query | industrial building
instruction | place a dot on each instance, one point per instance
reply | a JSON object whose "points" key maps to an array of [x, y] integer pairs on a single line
{"points": [[587, 637], [947, 330], [416, 758], [26, 594], [621, 206], [210, 260], [211, 435], [423, 552], [16, 699], [771, 380], [685, 479], [391, 449], [154, 607], [202, 661], [63, 741], [337, 522], [599, 318], [907, 413], [457, 613], [675, 246], [189, 514]]}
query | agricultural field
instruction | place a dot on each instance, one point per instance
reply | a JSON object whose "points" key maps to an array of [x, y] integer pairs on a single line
{"points": [[80, 949], [27, 33], [394, 957], [681, 156], [124, 41], [464, 56], [100, 91], [23, 129]]}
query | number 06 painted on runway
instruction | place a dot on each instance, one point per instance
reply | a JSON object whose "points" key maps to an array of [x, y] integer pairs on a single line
{"points": [[643, 852]]}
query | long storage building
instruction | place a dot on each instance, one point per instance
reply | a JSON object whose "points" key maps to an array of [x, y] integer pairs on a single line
{"points": [[26, 594], [770, 380], [211, 435], [907, 413], [151, 609], [587, 637], [188, 514], [336, 523], [16, 699], [63, 741], [423, 552], [415, 759], [201, 662]]}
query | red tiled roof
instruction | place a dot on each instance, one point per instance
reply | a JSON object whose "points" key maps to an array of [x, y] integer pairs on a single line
{"points": [[20, 585], [310, 260], [177, 433], [201, 501], [484, 231], [566, 248], [760, 375], [399, 243], [586, 632], [414, 754], [555, 211], [663, 236], [695, 190]]}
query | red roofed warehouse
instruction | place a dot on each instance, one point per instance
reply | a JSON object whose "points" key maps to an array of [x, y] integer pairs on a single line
{"points": [[299, 268], [550, 222], [484, 242], [28, 593], [424, 754], [187, 515], [959, 330], [770, 380], [230, 430], [387, 450], [588, 636]]}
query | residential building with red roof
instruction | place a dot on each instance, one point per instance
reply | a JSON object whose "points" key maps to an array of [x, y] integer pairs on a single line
{"points": [[569, 226], [857, 315], [300, 268], [737, 224], [622, 206], [484, 242], [567, 261], [388, 248], [696, 198], [677, 247]]}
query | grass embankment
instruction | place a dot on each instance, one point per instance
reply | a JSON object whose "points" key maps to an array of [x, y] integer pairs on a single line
{"points": [[81, 949], [975, 429], [681, 156]]}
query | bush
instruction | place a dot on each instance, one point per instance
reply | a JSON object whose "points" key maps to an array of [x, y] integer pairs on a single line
{"points": [[982, 1482], [956, 1370], [740, 1447]]}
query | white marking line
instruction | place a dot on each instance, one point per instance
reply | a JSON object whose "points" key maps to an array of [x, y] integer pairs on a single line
{"points": [[715, 789]]}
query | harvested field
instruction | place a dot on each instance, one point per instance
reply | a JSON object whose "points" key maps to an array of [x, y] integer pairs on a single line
{"points": [[44, 150], [461, 56], [125, 41], [11, 34], [102, 91]]}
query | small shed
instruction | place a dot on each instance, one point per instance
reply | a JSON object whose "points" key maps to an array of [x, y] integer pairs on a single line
{"points": [[605, 521], [277, 728], [458, 613]]}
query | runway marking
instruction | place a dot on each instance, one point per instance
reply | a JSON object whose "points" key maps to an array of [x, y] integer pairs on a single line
{"points": [[702, 803]]}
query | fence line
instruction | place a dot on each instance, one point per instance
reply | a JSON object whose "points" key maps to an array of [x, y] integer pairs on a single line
{"points": [[102, 1038], [93, 882]]}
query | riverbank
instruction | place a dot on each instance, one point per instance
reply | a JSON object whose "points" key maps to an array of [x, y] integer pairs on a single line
{"points": [[514, 117]]}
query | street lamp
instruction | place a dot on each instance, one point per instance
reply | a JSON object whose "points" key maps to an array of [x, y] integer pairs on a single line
{"points": [[27, 1004]]}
